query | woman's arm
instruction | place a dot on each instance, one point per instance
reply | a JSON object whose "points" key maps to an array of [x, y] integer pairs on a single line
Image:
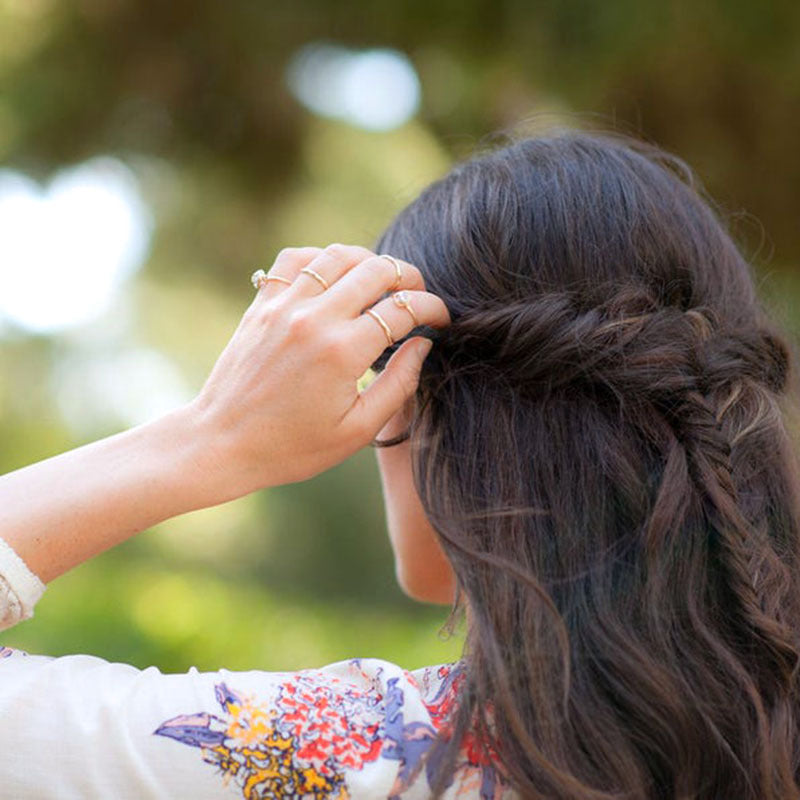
{"points": [[280, 405], [60, 512]]}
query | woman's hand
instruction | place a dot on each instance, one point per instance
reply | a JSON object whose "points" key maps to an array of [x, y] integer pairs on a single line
{"points": [[281, 404]]}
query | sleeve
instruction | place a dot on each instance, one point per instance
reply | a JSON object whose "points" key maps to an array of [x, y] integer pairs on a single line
{"points": [[81, 727], [20, 589]]}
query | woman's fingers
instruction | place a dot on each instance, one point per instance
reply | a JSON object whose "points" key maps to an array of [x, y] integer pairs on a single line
{"points": [[375, 406], [323, 267], [282, 400], [366, 282], [377, 328], [324, 270], [345, 278], [341, 283], [394, 318]]}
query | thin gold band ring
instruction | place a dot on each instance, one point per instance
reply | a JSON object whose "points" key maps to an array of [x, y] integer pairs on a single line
{"points": [[382, 322], [316, 276], [398, 272]]}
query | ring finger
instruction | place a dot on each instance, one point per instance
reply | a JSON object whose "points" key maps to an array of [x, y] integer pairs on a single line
{"points": [[365, 283]]}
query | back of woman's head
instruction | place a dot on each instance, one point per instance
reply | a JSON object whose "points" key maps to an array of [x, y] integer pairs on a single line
{"points": [[599, 446]]}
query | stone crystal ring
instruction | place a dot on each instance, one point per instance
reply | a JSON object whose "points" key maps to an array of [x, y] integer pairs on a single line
{"points": [[403, 300], [259, 278]]}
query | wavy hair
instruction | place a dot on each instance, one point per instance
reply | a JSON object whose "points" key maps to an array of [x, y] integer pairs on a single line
{"points": [[598, 443]]}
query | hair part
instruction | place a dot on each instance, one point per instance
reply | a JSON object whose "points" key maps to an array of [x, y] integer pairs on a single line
{"points": [[599, 445]]}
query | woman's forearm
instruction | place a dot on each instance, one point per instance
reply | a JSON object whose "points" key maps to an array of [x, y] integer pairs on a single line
{"points": [[62, 511], [280, 405]]}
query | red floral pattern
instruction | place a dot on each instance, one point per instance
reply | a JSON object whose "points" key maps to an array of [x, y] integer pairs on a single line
{"points": [[319, 726]]}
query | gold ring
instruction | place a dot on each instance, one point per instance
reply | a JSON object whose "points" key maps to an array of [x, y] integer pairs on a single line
{"points": [[382, 322], [316, 276], [398, 271], [259, 278], [403, 300]]}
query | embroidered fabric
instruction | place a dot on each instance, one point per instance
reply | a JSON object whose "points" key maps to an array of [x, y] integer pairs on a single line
{"points": [[20, 589]]}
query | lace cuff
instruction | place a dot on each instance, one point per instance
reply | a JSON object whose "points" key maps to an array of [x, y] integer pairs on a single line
{"points": [[20, 589]]}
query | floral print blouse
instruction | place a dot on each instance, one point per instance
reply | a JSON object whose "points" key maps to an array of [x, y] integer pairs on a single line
{"points": [[78, 727], [81, 727]]}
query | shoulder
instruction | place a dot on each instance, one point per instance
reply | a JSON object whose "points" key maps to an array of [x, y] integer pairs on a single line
{"points": [[356, 728]]}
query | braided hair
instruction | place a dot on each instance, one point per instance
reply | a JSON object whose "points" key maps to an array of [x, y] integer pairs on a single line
{"points": [[599, 443]]}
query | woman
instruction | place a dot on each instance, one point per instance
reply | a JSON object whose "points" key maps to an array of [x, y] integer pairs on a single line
{"points": [[591, 462]]}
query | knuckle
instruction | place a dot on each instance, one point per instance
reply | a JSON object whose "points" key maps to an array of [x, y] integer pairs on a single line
{"points": [[291, 254], [364, 252], [300, 323], [377, 267], [274, 308], [337, 349], [337, 251], [265, 316], [286, 254]]}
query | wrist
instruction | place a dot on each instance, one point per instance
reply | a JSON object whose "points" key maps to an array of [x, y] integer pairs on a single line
{"points": [[105, 492], [200, 462]]}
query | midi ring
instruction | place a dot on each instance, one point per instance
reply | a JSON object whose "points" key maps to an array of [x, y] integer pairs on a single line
{"points": [[316, 276], [398, 272], [382, 322], [259, 278], [403, 300]]}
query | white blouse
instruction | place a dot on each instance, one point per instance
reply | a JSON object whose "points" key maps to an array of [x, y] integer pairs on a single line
{"points": [[81, 727]]}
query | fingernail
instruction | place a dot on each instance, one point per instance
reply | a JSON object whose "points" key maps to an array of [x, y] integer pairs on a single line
{"points": [[425, 347]]}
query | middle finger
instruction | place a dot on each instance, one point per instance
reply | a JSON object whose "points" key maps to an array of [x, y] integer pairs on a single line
{"points": [[368, 281]]}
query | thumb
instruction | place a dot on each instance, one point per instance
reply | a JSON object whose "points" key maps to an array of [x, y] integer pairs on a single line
{"points": [[396, 383]]}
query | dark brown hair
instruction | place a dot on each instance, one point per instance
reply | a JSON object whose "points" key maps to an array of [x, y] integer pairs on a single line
{"points": [[598, 444]]}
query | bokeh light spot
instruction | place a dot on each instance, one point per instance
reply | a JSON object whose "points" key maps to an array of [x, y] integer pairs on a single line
{"points": [[376, 89], [66, 249]]}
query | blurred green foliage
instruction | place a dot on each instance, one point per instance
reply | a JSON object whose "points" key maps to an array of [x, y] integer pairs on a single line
{"points": [[192, 96]]}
